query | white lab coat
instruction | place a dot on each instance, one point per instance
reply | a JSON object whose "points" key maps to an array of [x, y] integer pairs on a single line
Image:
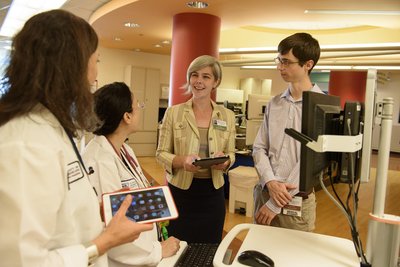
{"points": [[48, 207], [111, 174]]}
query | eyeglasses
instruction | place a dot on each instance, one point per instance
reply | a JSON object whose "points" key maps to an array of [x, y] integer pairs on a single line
{"points": [[285, 62], [141, 105]]}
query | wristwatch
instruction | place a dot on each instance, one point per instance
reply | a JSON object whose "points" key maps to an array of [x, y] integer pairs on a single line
{"points": [[92, 252]]}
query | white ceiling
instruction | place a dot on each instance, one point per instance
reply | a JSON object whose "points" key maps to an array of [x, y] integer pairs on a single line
{"points": [[244, 25]]}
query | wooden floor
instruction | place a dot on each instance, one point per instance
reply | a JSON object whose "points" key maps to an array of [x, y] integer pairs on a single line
{"points": [[330, 220]]}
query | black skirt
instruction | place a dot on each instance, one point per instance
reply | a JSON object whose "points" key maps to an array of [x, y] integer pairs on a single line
{"points": [[201, 211]]}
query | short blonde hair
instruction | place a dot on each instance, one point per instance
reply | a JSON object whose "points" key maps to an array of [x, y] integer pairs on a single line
{"points": [[200, 63]]}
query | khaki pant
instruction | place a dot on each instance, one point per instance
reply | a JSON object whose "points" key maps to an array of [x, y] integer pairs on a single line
{"points": [[304, 223]]}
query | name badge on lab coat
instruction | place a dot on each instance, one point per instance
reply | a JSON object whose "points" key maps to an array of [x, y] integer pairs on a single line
{"points": [[219, 124]]}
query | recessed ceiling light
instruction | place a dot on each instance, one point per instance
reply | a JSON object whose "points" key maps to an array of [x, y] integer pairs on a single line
{"points": [[118, 39], [166, 42], [131, 25], [158, 45], [197, 4], [137, 50]]}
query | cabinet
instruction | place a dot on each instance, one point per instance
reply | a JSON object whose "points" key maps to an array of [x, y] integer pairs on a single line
{"points": [[145, 85]]}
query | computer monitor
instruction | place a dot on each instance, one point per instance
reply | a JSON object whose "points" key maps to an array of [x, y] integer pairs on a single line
{"points": [[349, 167], [256, 106], [252, 127], [320, 116]]}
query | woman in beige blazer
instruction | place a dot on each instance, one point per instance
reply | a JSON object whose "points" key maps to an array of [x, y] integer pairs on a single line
{"points": [[197, 129]]}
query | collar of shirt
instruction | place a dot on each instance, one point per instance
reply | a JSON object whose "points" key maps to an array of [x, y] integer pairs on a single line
{"points": [[286, 93]]}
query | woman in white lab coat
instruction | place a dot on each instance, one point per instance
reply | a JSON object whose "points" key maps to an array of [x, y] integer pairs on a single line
{"points": [[49, 212], [115, 167]]}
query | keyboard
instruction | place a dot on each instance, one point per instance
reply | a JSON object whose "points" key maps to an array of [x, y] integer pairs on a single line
{"points": [[197, 255]]}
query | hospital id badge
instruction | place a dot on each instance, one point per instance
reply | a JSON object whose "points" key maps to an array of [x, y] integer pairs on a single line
{"points": [[293, 208], [219, 124]]}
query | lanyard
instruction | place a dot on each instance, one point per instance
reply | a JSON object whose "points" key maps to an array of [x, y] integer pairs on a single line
{"points": [[135, 166], [131, 165]]}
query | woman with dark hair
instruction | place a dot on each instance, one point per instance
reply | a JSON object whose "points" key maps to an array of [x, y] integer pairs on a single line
{"points": [[116, 166], [50, 212]]}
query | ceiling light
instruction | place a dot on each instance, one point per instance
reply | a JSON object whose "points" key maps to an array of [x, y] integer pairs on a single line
{"points": [[197, 4], [332, 67], [324, 48], [21, 10], [352, 12], [118, 39], [372, 46], [259, 67], [310, 25], [158, 45], [377, 67], [131, 25], [329, 67], [247, 50], [166, 42]]}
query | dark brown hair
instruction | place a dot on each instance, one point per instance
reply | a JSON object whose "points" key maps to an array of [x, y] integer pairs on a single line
{"points": [[304, 47], [49, 65]]}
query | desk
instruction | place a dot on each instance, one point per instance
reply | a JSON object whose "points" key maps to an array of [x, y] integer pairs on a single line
{"points": [[291, 248]]}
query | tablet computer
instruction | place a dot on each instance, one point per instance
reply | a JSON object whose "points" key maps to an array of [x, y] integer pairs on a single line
{"points": [[152, 204], [207, 162]]}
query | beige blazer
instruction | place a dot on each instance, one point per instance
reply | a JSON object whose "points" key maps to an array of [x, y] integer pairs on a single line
{"points": [[179, 135]]}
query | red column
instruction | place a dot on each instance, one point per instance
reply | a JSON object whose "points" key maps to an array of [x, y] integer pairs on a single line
{"points": [[193, 35], [349, 85]]}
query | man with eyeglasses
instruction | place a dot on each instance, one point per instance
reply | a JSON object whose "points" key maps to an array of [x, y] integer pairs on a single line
{"points": [[276, 155]]}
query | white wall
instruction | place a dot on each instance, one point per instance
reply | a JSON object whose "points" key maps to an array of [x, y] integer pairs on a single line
{"points": [[113, 61]]}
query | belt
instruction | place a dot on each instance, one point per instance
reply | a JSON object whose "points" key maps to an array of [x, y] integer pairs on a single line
{"points": [[304, 195]]}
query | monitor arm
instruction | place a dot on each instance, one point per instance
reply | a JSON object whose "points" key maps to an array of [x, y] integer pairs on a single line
{"points": [[328, 143]]}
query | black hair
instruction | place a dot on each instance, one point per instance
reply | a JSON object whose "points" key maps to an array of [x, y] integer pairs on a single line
{"points": [[304, 47], [111, 103]]}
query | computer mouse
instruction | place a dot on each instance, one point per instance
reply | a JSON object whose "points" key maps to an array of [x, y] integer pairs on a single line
{"points": [[255, 259]]}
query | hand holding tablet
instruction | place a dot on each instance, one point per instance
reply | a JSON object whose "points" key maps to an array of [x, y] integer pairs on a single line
{"points": [[207, 162], [148, 205]]}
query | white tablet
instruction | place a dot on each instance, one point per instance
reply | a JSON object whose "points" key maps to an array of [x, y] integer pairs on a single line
{"points": [[152, 204]]}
